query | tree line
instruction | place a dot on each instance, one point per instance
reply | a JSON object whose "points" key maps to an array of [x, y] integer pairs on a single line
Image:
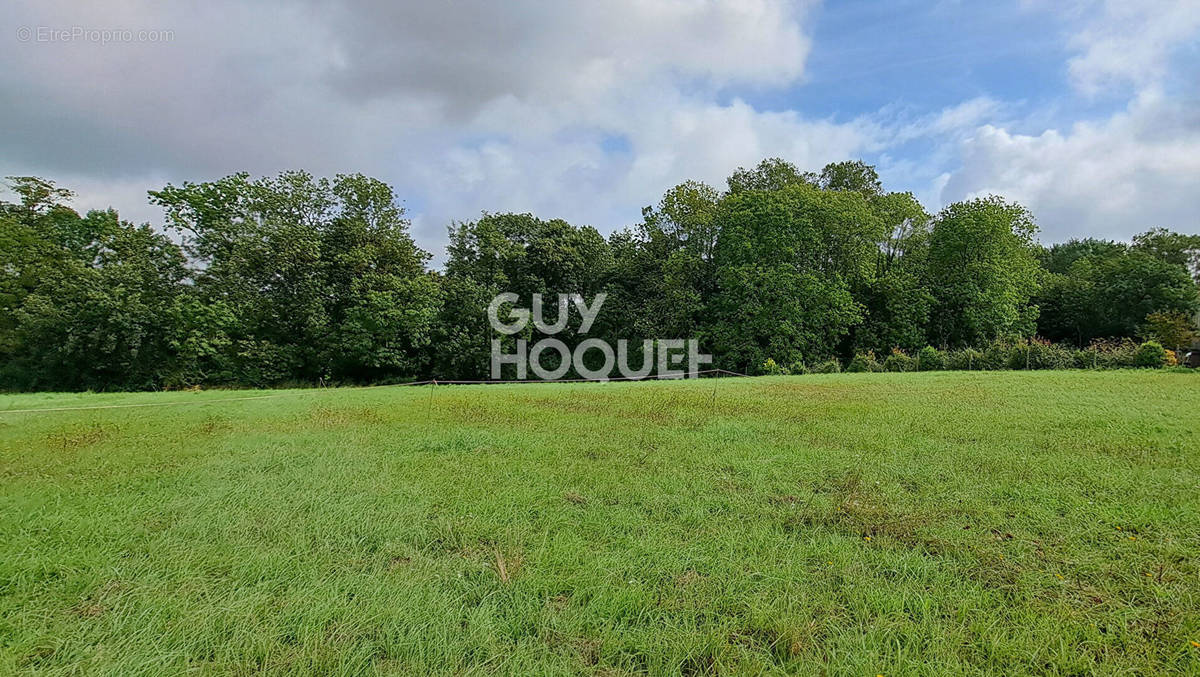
{"points": [[296, 279]]}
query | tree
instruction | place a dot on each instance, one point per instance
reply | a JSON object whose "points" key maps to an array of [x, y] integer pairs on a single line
{"points": [[302, 278], [663, 275], [853, 175], [102, 320], [516, 253], [1175, 330], [321, 277], [1174, 248], [785, 263], [982, 272], [895, 294], [1100, 289], [770, 174]]}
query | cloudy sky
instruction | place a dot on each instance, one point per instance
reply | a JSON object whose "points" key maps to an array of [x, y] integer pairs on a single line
{"points": [[1087, 111]]}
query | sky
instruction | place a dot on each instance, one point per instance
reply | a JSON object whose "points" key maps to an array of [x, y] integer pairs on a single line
{"points": [[1085, 111]]}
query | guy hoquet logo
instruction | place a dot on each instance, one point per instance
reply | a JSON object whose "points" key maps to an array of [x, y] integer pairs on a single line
{"points": [[665, 357]]}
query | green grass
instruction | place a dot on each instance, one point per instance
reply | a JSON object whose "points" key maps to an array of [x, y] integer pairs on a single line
{"points": [[859, 524]]}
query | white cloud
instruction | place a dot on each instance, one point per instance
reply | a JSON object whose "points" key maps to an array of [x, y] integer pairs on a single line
{"points": [[1130, 43], [1110, 177], [585, 111], [462, 106], [1136, 170]]}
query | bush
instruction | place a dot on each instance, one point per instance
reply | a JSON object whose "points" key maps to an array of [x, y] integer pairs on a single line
{"points": [[1113, 353], [931, 359], [864, 363], [1052, 356], [1006, 353], [967, 359], [1151, 354], [772, 368], [1084, 359], [1039, 353], [826, 367], [898, 361], [1001, 354]]}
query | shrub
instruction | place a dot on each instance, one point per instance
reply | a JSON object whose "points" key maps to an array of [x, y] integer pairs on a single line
{"points": [[1004, 353], [1001, 354], [864, 362], [1055, 356], [931, 359], [1084, 359], [771, 368], [898, 361], [1170, 329], [1113, 353], [1038, 353], [1151, 354], [967, 359], [827, 367]]}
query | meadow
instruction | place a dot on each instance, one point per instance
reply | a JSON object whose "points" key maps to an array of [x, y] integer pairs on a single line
{"points": [[845, 524]]}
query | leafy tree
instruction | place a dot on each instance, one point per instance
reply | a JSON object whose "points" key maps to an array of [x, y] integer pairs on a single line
{"points": [[102, 318], [321, 276], [1173, 329], [853, 175], [516, 253], [1108, 289], [896, 295], [785, 261], [663, 275], [1174, 248], [982, 272], [300, 278], [770, 174], [1059, 258]]}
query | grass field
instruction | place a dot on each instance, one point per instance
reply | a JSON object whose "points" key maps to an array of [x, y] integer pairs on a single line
{"points": [[857, 524]]}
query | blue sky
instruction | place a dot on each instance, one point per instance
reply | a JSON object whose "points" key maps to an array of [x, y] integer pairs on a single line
{"points": [[870, 55], [1086, 111]]}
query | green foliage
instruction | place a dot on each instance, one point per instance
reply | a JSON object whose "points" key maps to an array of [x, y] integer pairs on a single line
{"points": [[895, 293], [770, 368], [770, 175], [89, 300], [321, 277], [965, 359], [898, 361], [1040, 354], [1174, 248], [302, 279], [854, 175], [830, 366], [523, 254], [786, 261], [1173, 329], [1111, 353], [1098, 289], [864, 362], [1151, 354], [931, 359], [982, 272]]}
